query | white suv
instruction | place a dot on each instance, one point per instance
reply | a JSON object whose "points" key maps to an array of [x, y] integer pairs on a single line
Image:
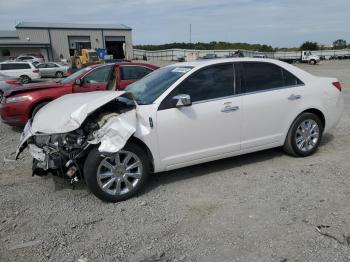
{"points": [[30, 58], [25, 71]]}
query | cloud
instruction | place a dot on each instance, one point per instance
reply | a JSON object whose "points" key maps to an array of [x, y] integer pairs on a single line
{"points": [[274, 22]]}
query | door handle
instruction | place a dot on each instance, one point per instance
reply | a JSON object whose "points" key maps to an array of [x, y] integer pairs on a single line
{"points": [[294, 97], [228, 109]]}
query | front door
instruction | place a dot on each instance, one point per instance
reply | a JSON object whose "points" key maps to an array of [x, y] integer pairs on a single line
{"points": [[96, 80], [43, 70], [211, 126]]}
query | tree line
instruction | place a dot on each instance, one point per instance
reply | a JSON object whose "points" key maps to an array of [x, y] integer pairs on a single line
{"points": [[208, 46], [308, 45]]}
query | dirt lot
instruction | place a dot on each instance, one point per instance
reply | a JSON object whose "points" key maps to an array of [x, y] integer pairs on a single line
{"points": [[258, 207]]}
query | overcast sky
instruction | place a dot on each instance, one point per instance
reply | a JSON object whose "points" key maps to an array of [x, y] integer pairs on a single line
{"points": [[280, 23]]}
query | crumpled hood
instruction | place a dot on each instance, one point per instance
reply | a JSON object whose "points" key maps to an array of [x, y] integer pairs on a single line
{"points": [[68, 112]]}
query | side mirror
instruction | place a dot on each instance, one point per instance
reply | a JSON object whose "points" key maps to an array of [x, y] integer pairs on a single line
{"points": [[182, 100], [78, 82]]}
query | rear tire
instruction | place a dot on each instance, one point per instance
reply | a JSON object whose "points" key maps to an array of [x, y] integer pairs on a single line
{"points": [[59, 74], [106, 177], [304, 135], [25, 79]]}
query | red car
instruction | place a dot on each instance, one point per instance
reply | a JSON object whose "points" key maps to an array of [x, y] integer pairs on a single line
{"points": [[18, 105]]}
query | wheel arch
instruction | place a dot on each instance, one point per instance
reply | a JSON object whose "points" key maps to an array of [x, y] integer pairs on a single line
{"points": [[312, 110], [141, 144], [316, 112], [32, 108]]}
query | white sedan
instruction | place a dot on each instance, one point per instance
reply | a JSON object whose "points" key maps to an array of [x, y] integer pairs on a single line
{"points": [[181, 115]]}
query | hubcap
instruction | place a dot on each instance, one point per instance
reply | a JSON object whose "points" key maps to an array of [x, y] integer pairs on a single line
{"points": [[119, 174], [307, 135]]}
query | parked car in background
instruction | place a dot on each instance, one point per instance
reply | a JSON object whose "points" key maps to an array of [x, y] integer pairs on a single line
{"points": [[259, 56], [30, 58], [237, 53], [51, 69], [20, 104], [25, 71], [210, 56], [187, 114], [7, 82]]}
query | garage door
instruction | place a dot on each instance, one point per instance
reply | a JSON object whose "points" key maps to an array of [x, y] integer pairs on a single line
{"points": [[115, 38], [73, 40]]}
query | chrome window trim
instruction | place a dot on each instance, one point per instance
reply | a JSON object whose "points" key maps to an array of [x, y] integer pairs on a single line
{"points": [[234, 79], [242, 93], [250, 93]]}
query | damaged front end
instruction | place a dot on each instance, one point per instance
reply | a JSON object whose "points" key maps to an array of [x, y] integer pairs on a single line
{"points": [[109, 126]]}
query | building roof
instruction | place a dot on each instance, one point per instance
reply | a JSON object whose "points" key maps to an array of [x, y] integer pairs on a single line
{"points": [[71, 26], [8, 34]]}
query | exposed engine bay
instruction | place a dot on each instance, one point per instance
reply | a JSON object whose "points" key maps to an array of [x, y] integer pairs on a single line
{"points": [[63, 154]]}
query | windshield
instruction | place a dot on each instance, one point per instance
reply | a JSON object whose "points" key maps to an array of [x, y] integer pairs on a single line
{"points": [[72, 77], [149, 88]]}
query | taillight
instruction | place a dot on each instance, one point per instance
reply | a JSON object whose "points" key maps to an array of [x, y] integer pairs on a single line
{"points": [[337, 85], [13, 82], [36, 71]]}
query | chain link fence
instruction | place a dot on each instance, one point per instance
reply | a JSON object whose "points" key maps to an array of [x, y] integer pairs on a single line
{"points": [[190, 54]]}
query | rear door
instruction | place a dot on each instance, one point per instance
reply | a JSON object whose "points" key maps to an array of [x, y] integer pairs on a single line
{"points": [[271, 98], [131, 73], [96, 80]]}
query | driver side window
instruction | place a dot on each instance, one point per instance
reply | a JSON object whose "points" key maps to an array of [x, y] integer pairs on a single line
{"points": [[209, 83], [99, 75]]}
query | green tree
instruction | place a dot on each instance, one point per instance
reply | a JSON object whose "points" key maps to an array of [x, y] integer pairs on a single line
{"points": [[208, 46], [308, 45], [339, 44]]}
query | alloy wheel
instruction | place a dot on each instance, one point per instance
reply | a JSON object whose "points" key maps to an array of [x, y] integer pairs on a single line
{"points": [[307, 135], [119, 174]]}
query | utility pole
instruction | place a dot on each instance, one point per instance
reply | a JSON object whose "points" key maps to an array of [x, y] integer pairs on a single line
{"points": [[190, 33]]}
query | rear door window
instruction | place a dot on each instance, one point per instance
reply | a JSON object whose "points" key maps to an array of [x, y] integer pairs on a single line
{"points": [[290, 79], [262, 76]]}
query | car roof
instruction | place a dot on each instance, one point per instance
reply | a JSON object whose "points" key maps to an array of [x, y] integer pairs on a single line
{"points": [[202, 63], [127, 63], [16, 62]]}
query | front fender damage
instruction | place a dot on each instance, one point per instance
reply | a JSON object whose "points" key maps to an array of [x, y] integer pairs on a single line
{"points": [[115, 132], [63, 153]]}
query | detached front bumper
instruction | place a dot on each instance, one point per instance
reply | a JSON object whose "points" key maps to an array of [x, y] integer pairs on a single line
{"points": [[26, 134]]}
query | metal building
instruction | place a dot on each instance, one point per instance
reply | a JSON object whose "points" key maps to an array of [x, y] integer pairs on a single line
{"points": [[58, 41]]}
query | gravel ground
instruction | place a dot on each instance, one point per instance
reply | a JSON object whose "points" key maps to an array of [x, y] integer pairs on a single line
{"points": [[263, 206]]}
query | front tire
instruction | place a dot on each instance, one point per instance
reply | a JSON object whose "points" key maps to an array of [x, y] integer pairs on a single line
{"points": [[119, 176], [313, 62], [304, 135]]}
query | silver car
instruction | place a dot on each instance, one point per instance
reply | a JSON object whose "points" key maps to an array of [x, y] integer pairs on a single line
{"points": [[51, 69], [7, 82]]}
